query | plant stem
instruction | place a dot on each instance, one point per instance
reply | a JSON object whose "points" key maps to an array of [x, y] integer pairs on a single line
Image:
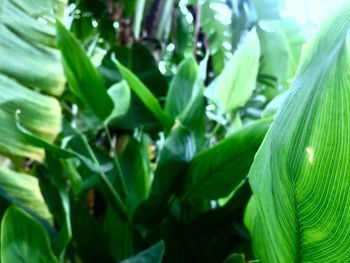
{"points": [[117, 201], [116, 162]]}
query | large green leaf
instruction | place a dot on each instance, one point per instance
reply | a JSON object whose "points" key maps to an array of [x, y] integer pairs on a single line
{"points": [[24, 190], [27, 46], [40, 113], [300, 177], [23, 239], [215, 172], [29, 58], [84, 79]]}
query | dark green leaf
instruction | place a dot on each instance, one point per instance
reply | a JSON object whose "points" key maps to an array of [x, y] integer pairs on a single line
{"points": [[154, 254], [216, 172], [84, 80], [145, 96]]}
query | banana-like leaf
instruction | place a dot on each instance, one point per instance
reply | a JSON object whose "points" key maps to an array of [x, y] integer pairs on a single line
{"points": [[23, 239], [24, 190], [29, 58], [41, 114], [300, 177]]}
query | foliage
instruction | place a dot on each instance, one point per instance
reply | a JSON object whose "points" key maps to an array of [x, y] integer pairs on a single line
{"points": [[146, 131]]}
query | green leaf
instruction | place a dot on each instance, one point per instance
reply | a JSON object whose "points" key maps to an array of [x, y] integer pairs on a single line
{"points": [[55, 150], [121, 96], [273, 106], [181, 87], [177, 152], [154, 254], [238, 79], [189, 107], [300, 177], [83, 78], [40, 113], [216, 172], [145, 96], [24, 190], [281, 42], [137, 173], [23, 239], [28, 47], [29, 59]]}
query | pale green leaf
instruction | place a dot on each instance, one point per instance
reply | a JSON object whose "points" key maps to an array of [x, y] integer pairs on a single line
{"points": [[236, 83], [121, 97], [28, 47], [281, 43], [25, 190], [40, 113], [300, 177], [29, 58]]}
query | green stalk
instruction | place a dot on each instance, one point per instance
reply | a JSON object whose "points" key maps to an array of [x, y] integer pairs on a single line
{"points": [[117, 201], [116, 162]]}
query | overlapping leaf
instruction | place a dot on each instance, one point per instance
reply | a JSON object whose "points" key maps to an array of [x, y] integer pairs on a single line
{"points": [[29, 58], [216, 172], [300, 177], [84, 80], [24, 190]]}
